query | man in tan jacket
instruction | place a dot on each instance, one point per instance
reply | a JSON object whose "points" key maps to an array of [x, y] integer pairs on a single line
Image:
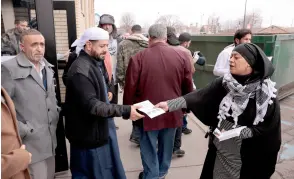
{"points": [[14, 158]]}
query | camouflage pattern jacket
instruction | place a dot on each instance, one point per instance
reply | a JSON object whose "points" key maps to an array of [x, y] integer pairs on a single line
{"points": [[126, 49], [10, 42]]}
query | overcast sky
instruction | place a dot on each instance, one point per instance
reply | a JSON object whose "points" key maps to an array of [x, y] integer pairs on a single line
{"points": [[275, 12]]}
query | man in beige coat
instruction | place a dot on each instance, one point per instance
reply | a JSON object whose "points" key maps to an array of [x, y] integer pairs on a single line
{"points": [[14, 158]]}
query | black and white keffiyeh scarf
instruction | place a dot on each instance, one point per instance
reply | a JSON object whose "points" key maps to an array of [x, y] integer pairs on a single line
{"points": [[238, 96]]}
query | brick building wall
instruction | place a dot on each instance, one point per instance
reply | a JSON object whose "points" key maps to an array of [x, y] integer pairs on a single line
{"points": [[21, 13], [79, 18], [84, 19], [85, 16], [61, 36], [61, 32]]}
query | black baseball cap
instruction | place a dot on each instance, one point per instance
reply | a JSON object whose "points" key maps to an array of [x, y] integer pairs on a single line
{"points": [[184, 37], [171, 36]]}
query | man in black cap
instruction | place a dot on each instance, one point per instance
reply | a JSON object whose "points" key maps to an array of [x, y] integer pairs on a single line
{"points": [[174, 41], [185, 41], [198, 57], [172, 37]]}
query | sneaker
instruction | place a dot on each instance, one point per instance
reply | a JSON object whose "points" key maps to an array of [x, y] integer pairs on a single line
{"points": [[141, 175], [163, 177], [179, 153], [186, 131], [135, 141]]}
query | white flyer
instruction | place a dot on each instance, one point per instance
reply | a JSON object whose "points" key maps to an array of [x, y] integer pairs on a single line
{"points": [[228, 134], [149, 109]]}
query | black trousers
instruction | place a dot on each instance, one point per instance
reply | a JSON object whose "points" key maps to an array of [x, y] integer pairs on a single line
{"points": [[178, 139], [115, 95]]}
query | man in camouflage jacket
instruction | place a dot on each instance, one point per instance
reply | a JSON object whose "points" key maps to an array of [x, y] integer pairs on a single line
{"points": [[10, 40], [127, 48]]}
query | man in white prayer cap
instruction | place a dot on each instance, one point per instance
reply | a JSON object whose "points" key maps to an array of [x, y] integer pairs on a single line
{"points": [[89, 125]]}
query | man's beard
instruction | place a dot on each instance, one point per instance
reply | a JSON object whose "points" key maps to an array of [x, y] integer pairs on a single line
{"points": [[98, 56], [19, 30], [101, 57]]}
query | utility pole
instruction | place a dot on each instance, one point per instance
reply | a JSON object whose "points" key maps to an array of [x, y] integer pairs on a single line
{"points": [[201, 20], [245, 14]]}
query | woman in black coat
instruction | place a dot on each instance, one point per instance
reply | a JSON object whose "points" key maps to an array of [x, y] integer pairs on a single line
{"points": [[243, 98]]}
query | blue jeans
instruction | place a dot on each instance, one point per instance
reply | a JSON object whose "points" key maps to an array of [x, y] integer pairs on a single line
{"points": [[185, 122], [156, 162]]}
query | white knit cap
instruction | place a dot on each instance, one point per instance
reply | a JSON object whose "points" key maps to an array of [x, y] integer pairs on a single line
{"points": [[93, 33]]}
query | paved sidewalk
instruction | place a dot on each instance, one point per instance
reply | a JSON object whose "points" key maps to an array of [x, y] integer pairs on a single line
{"points": [[285, 166], [195, 145]]}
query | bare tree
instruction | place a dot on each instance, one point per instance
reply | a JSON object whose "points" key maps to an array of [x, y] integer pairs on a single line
{"points": [[229, 25], [127, 21], [170, 20], [213, 23], [252, 20]]}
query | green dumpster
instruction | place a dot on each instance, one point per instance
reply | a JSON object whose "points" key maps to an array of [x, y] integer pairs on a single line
{"points": [[280, 47]]}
